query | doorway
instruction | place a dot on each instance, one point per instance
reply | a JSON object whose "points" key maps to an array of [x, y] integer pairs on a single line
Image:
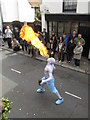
{"points": [[84, 31]]}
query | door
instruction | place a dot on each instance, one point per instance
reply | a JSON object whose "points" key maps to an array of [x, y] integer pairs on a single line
{"points": [[84, 31]]}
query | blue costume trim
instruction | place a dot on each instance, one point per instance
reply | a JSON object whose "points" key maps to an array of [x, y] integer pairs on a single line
{"points": [[51, 85]]}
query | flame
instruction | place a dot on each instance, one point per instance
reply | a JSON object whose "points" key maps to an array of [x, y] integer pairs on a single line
{"points": [[52, 53], [28, 34]]}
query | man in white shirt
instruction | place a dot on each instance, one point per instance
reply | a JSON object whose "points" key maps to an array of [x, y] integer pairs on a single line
{"points": [[8, 36]]}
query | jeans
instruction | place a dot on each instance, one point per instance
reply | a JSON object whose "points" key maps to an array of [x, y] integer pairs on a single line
{"points": [[69, 57], [77, 62], [9, 42]]}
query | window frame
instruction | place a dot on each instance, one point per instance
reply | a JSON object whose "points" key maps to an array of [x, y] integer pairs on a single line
{"points": [[69, 10]]}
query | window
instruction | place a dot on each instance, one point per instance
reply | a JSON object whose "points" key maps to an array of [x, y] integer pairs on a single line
{"points": [[84, 24], [50, 28], [69, 5], [67, 27], [55, 27], [60, 29], [74, 27]]}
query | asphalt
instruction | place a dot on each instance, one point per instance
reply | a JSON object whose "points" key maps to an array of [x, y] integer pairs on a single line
{"points": [[20, 87], [84, 67]]}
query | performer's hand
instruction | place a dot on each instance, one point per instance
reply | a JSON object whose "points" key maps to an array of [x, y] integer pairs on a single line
{"points": [[39, 82], [42, 82]]}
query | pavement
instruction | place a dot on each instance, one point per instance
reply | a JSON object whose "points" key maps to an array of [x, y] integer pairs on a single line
{"points": [[84, 64], [20, 75]]}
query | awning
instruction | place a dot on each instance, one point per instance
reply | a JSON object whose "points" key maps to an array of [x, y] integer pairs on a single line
{"points": [[65, 17]]}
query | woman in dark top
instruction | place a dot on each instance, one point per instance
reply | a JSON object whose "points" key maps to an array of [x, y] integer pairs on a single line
{"points": [[70, 48]]}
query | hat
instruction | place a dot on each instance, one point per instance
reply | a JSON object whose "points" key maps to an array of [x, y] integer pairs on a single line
{"points": [[51, 60]]}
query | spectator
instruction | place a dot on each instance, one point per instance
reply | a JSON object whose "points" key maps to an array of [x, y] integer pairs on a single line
{"points": [[33, 51], [77, 53], [17, 36], [8, 36], [40, 36], [60, 50], [30, 49], [66, 41], [72, 36], [25, 45], [15, 45], [79, 39], [51, 47], [45, 37], [65, 38], [24, 42], [70, 48], [54, 40], [3, 32]]}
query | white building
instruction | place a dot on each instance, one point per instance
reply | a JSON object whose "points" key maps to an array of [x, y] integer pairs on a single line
{"points": [[65, 16], [17, 10]]}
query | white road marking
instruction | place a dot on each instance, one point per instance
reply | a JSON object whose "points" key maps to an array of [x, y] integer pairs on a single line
{"points": [[73, 95], [20, 109], [13, 54], [16, 71]]}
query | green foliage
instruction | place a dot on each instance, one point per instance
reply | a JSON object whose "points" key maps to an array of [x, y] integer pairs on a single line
{"points": [[6, 110]]}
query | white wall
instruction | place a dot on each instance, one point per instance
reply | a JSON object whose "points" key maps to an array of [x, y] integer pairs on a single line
{"points": [[26, 13], [82, 6], [0, 17], [13, 10], [89, 7], [9, 10], [54, 6], [0, 22]]}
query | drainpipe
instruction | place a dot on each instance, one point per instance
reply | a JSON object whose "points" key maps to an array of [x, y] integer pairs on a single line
{"points": [[43, 12]]}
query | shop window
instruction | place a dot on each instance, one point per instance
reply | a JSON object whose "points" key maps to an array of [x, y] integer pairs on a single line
{"points": [[74, 27], [50, 28], [84, 24], [60, 29], [67, 28], [69, 5], [55, 27]]}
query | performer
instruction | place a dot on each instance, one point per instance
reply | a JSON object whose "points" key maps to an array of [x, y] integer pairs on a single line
{"points": [[49, 80]]}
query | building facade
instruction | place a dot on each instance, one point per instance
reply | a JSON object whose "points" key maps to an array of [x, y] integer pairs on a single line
{"points": [[65, 16]]}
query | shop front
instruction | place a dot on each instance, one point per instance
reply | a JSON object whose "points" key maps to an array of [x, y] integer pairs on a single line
{"points": [[60, 23]]}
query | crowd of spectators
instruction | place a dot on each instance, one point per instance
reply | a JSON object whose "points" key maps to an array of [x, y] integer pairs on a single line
{"points": [[70, 47]]}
